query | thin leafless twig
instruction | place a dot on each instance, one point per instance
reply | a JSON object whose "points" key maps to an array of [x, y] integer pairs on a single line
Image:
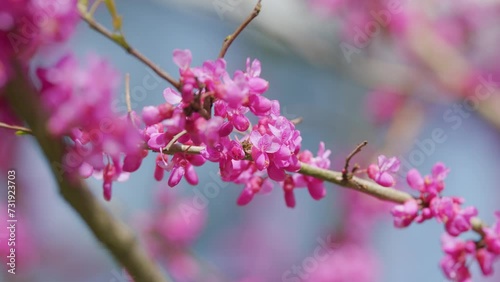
{"points": [[229, 39], [120, 40], [15, 127]]}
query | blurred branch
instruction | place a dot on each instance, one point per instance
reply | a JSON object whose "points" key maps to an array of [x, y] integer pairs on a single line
{"points": [[451, 69], [111, 232], [404, 128], [15, 127], [230, 38], [119, 39], [346, 175]]}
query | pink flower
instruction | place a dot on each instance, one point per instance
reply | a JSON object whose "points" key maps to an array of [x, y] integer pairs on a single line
{"points": [[492, 236], [485, 260], [255, 185], [454, 264], [456, 219], [110, 173], [381, 173], [263, 145], [432, 184], [169, 229], [405, 214], [182, 58], [415, 180], [383, 104], [27, 26], [315, 186], [256, 84], [181, 165], [351, 261]]}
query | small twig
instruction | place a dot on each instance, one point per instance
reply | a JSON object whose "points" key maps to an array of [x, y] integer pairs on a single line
{"points": [[297, 120], [127, 92], [15, 127], [180, 148], [127, 99], [229, 39], [174, 139], [345, 172], [94, 7], [120, 40]]}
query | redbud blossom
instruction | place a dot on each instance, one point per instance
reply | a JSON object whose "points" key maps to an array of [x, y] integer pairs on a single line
{"points": [[381, 173]]}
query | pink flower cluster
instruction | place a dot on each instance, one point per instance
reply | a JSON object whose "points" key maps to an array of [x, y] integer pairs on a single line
{"points": [[268, 150], [431, 204], [459, 254], [79, 105], [456, 219], [168, 232], [27, 25]]}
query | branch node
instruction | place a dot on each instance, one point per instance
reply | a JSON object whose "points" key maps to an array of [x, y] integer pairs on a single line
{"points": [[346, 174]]}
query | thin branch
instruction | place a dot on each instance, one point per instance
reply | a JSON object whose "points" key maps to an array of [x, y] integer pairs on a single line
{"points": [[120, 40], [127, 93], [174, 139], [229, 39], [127, 99], [355, 183], [94, 7], [187, 149], [431, 50], [117, 237], [15, 127], [345, 171], [297, 120]]}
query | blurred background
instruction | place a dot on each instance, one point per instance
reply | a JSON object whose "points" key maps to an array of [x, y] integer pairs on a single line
{"points": [[350, 80]]}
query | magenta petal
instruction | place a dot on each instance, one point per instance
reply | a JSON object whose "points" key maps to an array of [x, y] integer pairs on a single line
{"points": [[440, 171], [241, 122], [132, 163], [485, 260], [289, 198], [151, 115], [191, 176], [225, 129], [260, 159], [276, 174], [386, 180], [197, 160], [245, 197], [85, 170], [171, 96], [107, 191], [373, 171], [182, 58], [316, 189], [415, 180], [258, 85], [272, 147], [255, 138], [159, 172], [260, 105], [175, 176], [157, 140], [381, 160]]}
